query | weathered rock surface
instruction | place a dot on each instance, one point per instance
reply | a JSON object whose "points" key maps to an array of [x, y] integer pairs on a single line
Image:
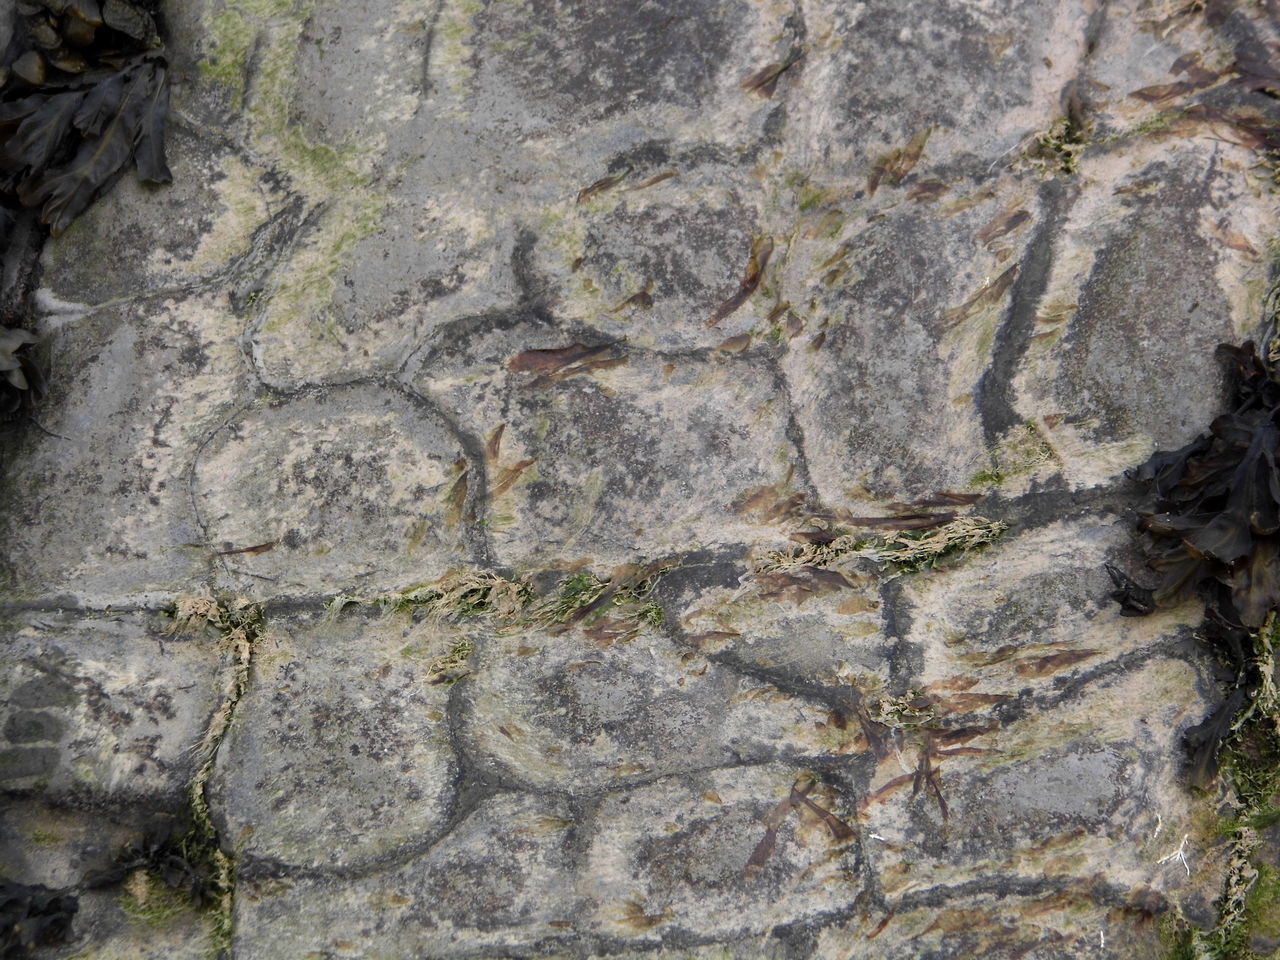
{"points": [[546, 290]]}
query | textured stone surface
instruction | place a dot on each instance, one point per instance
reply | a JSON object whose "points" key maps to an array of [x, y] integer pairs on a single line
{"points": [[106, 706], [546, 290], [351, 749]]}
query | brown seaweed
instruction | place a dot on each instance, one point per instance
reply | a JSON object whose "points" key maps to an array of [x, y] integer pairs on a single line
{"points": [[761, 250], [797, 799], [87, 96], [765, 80], [1212, 526]]}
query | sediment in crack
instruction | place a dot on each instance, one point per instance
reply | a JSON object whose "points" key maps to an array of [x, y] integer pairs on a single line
{"points": [[242, 628]]}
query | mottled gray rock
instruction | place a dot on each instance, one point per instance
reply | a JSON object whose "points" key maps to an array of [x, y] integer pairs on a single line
{"points": [[606, 454], [341, 751], [197, 230], [669, 860], [580, 714], [103, 499], [537, 290], [106, 707], [370, 486], [500, 881]]}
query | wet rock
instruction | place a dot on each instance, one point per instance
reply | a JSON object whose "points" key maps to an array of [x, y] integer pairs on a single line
{"points": [[1148, 277], [983, 80], [541, 289], [58, 847], [546, 68]]}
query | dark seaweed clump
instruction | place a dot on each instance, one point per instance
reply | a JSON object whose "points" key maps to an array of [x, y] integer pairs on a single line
{"points": [[86, 93], [169, 849], [1213, 527], [33, 916], [166, 850]]}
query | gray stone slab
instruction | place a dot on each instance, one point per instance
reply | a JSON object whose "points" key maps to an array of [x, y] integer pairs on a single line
{"points": [[341, 753], [604, 452], [103, 496], [370, 487], [501, 880], [585, 712], [105, 707]]}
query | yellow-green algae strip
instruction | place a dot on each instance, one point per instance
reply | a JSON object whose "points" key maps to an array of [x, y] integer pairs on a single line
{"points": [[335, 179]]}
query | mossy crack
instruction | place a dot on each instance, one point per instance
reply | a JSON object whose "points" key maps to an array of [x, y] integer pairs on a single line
{"points": [[241, 625]]}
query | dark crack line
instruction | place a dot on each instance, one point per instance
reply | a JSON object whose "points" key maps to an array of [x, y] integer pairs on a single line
{"points": [[428, 46], [794, 433], [994, 395], [1103, 893], [1177, 647], [476, 502], [476, 784], [264, 236], [279, 250]]}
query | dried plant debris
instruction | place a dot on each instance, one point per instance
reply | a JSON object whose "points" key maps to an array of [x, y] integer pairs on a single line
{"points": [[920, 541], [452, 667], [624, 594], [765, 80], [86, 93], [581, 597], [1213, 526], [910, 551], [454, 597], [243, 628], [23, 382], [761, 251], [33, 916]]}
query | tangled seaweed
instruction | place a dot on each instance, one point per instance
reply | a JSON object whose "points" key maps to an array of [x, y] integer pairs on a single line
{"points": [[1213, 526], [33, 916], [85, 93], [165, 849]]}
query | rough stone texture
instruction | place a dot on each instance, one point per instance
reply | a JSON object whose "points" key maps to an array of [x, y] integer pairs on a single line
{"points": [[451, 285], [103, 706], [351, 748]]}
